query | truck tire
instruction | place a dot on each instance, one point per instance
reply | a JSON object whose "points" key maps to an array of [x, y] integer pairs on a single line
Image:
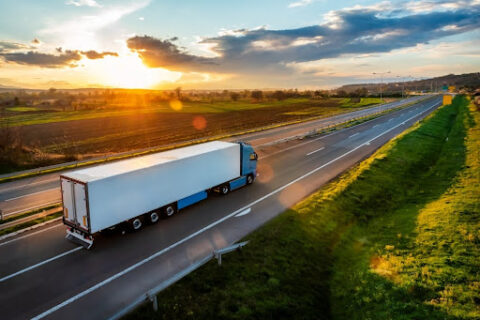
{"points": [[250, 179], [224, 189], [169, 210], [153, 217], [136, 224]]}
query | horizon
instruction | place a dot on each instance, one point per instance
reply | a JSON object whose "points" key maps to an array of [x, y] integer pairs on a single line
{"points": [[103, 44]]}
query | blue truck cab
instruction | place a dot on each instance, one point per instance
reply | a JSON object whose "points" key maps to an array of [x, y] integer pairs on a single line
{"points": [[248, 160], [248, 169], [248, 173]]}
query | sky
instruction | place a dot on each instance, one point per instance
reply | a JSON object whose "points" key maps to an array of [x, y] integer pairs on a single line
{"points": [[226, 44]]}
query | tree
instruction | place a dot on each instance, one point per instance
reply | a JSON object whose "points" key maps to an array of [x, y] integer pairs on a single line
{"points": [[234, 96], [257, 95], [279, 95], [16, 101], [178, 92]]}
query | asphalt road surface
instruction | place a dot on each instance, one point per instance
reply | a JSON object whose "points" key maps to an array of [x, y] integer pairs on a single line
{"points": [[30, 193], [42, 275]]}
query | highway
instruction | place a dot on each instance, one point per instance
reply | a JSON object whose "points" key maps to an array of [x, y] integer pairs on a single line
{"points": [[30, 193], [44, 276]]}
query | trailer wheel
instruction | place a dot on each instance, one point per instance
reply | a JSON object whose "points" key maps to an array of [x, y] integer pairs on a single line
{"points": [[169, 210], [153, 217], [224, 189], [250, 179], [136, 224]]}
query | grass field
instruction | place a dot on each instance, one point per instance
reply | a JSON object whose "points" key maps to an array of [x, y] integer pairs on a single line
{"points": [[397, 237]]}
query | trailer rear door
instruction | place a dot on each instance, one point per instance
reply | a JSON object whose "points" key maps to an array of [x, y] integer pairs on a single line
{"points": [[81, 205], [67, 199], [74, 203]]}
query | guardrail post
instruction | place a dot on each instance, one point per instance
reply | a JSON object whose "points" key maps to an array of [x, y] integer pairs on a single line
{"points": [[153, 299]]}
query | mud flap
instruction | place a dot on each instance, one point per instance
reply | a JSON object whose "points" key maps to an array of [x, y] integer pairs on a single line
{"points": [[79, 239]]}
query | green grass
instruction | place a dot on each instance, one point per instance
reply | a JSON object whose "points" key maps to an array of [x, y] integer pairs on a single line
{"points": [[416, 253], [364, 102], [22, 109], [28, 213], [394, 238], [31, 223]]}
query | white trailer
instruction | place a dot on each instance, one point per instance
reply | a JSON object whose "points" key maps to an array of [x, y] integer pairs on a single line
{"points": [[141, 189]]}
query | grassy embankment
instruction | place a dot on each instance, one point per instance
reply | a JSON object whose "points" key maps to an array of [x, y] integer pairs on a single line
{"points": [[22, 116], [396, 237]]}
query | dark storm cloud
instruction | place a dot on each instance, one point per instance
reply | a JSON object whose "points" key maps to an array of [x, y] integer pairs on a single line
{"points": [[64, 58], [349, 31]]}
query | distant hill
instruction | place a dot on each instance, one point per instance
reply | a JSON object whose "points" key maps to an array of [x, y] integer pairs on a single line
{"points": [[469, 81]]}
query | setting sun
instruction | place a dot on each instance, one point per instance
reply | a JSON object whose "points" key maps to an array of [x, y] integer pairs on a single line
{"points": [[128, 71]]}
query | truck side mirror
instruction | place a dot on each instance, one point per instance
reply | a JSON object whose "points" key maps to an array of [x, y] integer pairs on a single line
{"points": [[253, 156]]}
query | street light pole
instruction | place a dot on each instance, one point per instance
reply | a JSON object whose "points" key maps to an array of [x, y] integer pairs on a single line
{"points": [[381, 74], [403, 84]]}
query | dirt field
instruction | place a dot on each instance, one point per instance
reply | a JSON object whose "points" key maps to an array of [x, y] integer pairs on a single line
{"points": [[123, 133], [60, 141]]}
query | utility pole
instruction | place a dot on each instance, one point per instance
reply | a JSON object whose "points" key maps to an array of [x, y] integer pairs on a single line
{"points": [[402, 79], [381, 74]]}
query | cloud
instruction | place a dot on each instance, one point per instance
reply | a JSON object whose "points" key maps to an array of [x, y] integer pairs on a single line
{"points": [[157, 53], [359, 30], [85, 31], [300, 3], [81, 3], [67, 58], [8, 46], [92, 54]]}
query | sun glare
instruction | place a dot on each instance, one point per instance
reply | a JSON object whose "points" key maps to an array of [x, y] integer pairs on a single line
{"points": [[128, 71]]}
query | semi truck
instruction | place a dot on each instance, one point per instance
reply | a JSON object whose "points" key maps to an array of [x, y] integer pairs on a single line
{"points": [[141, 190]]}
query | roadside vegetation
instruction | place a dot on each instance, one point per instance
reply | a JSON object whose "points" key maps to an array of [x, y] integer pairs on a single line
{"points": [[30, 223], [396, 237], [50, 127]]}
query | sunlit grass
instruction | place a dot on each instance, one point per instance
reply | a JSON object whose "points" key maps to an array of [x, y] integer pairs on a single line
{"points": [[364, 102], [22, 109]]}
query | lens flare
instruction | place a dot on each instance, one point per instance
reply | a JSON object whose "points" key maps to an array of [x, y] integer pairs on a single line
{"points": [[199, 123], [176, 105]]}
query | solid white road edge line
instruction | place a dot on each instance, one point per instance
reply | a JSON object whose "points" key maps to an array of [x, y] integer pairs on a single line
{"points": [[39, 264], [23, 186], [30, 194], [31, 208], [244, 212], [176, 244], [315, 151], [30, 234]]}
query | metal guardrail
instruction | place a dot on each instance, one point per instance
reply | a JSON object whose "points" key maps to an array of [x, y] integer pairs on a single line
{"points": [[151, 295]]}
